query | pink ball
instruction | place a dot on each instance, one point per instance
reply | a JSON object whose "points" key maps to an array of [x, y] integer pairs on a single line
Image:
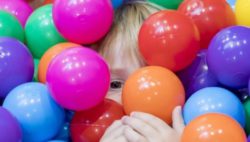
{"points": [[83, 21], [18, 8], [78, 78]]}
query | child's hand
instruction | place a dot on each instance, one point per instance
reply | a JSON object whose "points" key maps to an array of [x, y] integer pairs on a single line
{"points": [[144, 127], [115, 133]]}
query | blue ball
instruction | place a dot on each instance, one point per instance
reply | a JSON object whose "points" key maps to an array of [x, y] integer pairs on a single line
{"points": [[214, 100], [117, 3], [37, 113], [232, 3]]}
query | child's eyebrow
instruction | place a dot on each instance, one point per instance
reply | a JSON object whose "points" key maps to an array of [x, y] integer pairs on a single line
{"points": [[120, 72]]}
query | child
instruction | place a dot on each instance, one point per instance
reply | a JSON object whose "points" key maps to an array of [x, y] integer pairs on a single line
{"points": [[120, 49]]}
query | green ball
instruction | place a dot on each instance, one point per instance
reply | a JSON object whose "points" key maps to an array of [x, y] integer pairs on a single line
{"points": [[40, 31], [247, 111], [10, 26], [36, 64], [168, 4]]}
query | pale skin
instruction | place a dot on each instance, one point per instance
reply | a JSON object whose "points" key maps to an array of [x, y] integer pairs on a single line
{"points": [[139, 126]]}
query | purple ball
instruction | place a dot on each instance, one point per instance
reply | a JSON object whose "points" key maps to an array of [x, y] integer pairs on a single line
{"points": [[228, 56], [248, 139], [16, 65], [197, 75], [10, 130]]}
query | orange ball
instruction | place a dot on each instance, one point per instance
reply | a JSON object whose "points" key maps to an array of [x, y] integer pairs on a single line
{"points": [[48, 56], [155, 90], [213, 127]]}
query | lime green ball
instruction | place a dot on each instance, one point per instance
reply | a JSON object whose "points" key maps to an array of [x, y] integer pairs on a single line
{"points": [[10, 26], [247, 111], [36, 64], [40, 31], [168, 4]]}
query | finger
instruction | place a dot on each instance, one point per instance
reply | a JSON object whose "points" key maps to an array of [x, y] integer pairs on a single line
{"points": [[116, 124], [153, 121], [113, 134], [140, 126], [178, 122], [120, 139], [133, 136]]}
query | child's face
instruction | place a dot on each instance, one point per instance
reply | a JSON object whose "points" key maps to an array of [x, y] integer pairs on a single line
{"points": [[119, 74]]}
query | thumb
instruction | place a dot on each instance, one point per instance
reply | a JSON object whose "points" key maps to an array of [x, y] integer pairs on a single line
{"points": [[178, 122]]}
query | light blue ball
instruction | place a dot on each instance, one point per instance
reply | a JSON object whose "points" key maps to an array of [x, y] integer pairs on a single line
{"points": [[37, 113], [214, 100], [232, 3]]}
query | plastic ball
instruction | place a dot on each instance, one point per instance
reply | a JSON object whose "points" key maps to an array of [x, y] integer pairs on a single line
{"points": [[154, 90], [40, 31], [47, 2], [85, 21], [10, 130], [36, 63], [90, 125], [48, 56], [117, 3], [242, 12], [197, 75], [168, 4], [210, 16], [169, 39], [16, 65], [20, 9], [231, 3], [228, 56], [213, 128], [78, 78], [10, 26], [247, 111], [37, 113], [214, 100]]}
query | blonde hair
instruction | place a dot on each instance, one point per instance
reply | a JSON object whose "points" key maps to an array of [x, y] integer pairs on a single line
{"points": [[122, 40]]}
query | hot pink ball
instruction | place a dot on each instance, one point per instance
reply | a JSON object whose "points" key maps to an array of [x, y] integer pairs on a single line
{"points": [[18, 8], [83, 21], [78, 78]]}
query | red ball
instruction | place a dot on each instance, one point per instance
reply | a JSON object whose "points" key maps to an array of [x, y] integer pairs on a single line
{"points": [[169, 39], [90, 125], [210, 16]]}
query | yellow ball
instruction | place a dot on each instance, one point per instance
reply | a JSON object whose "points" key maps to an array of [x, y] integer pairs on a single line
{"points": [[242, 11]]}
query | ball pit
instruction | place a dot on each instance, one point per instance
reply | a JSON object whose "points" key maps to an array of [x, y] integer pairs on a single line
{"points": [[66, 102]]}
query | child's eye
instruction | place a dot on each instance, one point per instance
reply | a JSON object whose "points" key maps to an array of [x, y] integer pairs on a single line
{"points": [[116, 84]]}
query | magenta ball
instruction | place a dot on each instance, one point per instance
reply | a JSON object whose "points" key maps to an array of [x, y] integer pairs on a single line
{"points": [[78, 78], [18, 8], [83, 21]]}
